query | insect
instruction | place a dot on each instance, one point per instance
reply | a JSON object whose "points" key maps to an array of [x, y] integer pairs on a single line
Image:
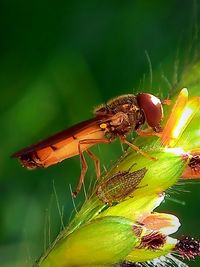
{"points": [[117, 118], [120, 185]]}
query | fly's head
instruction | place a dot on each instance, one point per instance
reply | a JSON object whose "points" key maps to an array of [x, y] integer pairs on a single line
{"points": [[152, 108]]}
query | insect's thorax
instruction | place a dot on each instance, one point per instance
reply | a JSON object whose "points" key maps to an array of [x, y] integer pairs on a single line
{"points": [[121, 116]]}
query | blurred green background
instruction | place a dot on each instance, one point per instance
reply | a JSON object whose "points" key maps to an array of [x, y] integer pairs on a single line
{"points": [[58, 60]]}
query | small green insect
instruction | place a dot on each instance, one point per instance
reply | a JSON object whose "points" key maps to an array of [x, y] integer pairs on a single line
{"points": [[120, 185]]}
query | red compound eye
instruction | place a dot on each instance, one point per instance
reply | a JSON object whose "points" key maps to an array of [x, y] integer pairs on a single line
{"points": [[152, 107]]}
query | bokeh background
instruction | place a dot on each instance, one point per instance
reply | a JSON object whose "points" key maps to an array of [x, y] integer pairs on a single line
{"points": [[58, 60]]}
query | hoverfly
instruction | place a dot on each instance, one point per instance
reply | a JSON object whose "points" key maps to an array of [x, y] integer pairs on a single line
{"points": [[117, 118]]}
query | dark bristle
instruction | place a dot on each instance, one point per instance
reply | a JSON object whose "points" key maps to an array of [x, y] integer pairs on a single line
{"points": [[153, 241], [188, 248]]}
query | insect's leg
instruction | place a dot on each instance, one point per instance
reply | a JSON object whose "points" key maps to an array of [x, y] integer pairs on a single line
{"points": [[148, 132], [136, 148], [92, 155], [84, 165], [132, 165], [84, 168], [96, 162], [95, 141]]}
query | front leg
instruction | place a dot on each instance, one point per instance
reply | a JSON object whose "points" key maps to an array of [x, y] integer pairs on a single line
{"points": [[136, 148], [148, 132]]}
